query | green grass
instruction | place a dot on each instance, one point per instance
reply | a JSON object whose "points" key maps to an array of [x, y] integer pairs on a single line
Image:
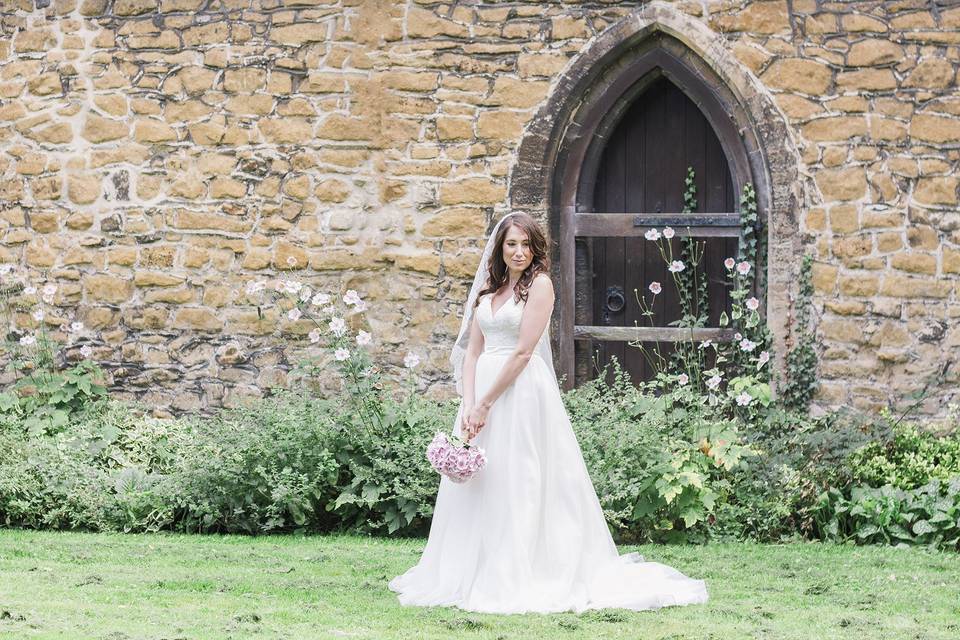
{"points": [[115, 587]]}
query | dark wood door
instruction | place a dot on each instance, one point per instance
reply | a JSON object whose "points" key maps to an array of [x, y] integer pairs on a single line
{"points": [[642, 169]]}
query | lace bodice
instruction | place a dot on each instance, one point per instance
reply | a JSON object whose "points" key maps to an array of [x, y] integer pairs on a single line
{"points": [[501, 330]]}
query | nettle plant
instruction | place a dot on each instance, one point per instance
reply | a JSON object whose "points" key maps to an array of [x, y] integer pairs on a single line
{"points": [[51, 381]]}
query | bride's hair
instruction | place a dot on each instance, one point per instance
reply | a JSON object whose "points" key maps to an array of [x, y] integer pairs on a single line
{"points": [[497, 274]]}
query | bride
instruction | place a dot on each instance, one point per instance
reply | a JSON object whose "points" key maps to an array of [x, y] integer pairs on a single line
{"points": [[527, 533]]}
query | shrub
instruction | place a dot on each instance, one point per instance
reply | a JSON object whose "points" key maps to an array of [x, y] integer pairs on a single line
{"points": [[909, 458]]}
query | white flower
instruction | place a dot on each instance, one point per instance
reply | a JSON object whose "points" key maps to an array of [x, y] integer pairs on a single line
{"points": [[76, 327], [744, 399], [364, 338], [255, 286], [675, 267], [668, 232], [305, 294], [329, 309], [713, 382], [682, 378], [294, 314], [48, 289], [341, 354], [411, 360], [655, 288], [743, 268], [29, 290], [289, 286], [360, 306], [338, 326], [737, 336], [753, 304], [86, 351], [314, 336], [729, 262], [763, 359], [27, 340], [38, 315], [748, 345], [652, 234], [5, 269], [705, 344], [291, 261], [351, 297], [320, 299]]}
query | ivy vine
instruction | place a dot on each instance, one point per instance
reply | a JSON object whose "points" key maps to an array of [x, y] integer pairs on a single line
{"points": [[801, 382]]}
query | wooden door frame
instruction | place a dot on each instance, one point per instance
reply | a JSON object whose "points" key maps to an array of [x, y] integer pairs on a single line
{"points": [[558, 158]]}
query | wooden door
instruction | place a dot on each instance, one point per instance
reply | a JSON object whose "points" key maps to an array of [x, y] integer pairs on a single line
{"points": [[642, 170]]}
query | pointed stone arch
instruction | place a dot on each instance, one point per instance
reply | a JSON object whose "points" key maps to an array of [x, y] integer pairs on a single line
{"points": [[557, 158]]}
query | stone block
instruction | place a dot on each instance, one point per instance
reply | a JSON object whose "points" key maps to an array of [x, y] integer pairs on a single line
{"points": [[798, 74], [842, 184], [107, 288]]}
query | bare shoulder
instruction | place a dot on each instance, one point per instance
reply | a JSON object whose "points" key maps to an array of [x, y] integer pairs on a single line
{"points": [[542, 286]]}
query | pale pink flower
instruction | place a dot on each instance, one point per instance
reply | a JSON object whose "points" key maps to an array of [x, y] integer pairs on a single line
{"points": [[351, 297], [76, 327], [713, 382], [341, 354], [48, 289], [27, 340], [652, 234], [705, 344], [411, 360], [364, 338], [29, 290], [458, 463], [655, 288], [329, 309], [292, 261], [762, 359], [360, 306], [294, 314], [38, 315], [668, 232], [737, 336], [753, 304], [255, 286], [744, 399], [304, 294], [86, 351], [314, 336], [338, 326], [676, 266], [320, 299], [729, 263], [748, 345], [683, 378], [743, 268]]}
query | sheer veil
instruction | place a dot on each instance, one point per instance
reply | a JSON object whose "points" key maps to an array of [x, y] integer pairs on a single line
{"points": [[459, 351]]}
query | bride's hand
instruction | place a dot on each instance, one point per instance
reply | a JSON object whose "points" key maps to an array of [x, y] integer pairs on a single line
{"points": [[465, 423], [476, 420]]}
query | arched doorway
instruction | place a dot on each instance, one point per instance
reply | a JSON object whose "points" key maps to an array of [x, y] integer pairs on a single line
{"points": [[564, 163]]}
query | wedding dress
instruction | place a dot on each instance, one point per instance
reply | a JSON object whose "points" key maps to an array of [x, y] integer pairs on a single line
{"points": [[527, 533]]}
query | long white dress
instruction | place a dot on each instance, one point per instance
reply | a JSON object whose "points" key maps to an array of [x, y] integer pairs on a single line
{"points": [[527, 533]]}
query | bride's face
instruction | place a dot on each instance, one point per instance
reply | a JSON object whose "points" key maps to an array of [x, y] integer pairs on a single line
{"points": [[517, 253]]}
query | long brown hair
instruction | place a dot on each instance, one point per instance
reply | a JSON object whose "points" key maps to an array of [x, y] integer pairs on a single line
{"points": [[497, 274]]}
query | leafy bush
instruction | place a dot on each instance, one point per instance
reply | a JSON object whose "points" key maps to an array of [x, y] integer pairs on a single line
{"points": [[908, 459], [928, 515]]}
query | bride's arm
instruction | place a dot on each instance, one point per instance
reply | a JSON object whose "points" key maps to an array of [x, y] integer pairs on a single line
{"points": [[474, 349], [536, 315]]}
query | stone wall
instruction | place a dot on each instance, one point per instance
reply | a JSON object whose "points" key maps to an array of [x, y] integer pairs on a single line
{"points": [[158, 154]]}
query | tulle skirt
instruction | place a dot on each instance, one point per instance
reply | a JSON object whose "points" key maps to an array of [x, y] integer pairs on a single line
{"points": [[527, 534]]}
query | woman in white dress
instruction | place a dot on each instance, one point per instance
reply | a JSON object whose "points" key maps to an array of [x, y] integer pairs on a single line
{"points": [[527, 533]]}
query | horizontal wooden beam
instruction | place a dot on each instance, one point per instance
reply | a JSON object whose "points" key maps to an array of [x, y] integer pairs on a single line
{"points": [[651, 334], [707, 225]]}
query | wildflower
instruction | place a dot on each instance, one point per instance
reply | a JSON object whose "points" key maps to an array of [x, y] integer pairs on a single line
{"points": [[743, 268], [713, 382], [753, 304], [255, 286], [27, 340], [5, 269], [737, 336], [320, 299], [76, 327], [48, 289], [289, 286], [294, 314], [329, 309], [655, 288], [360, 306], [341, 354], [683, 378], [304, 294], [675, 267], [762, 359], [411, 360], [729, 262], [668, 233], [705, 344], [86, 351], [351, 297], [38, 315], [338, 326], [29, 290], [744, 399], [364, 338], [314, 336], [652, 234], [292, 261], [748, 345]]}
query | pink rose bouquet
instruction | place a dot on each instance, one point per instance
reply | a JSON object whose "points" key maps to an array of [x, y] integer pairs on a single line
{"points": [[455, 459]]}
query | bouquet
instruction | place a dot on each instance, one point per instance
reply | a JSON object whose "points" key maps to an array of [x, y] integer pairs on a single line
{"points": [[455, 459]]}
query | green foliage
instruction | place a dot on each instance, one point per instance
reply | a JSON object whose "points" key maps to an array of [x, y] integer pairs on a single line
{"points": [[801, 360], [909, 459], [46, 401], [928, 515]]}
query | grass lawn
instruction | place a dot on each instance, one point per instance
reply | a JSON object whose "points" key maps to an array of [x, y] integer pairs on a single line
{"points": [[114, 587]]}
